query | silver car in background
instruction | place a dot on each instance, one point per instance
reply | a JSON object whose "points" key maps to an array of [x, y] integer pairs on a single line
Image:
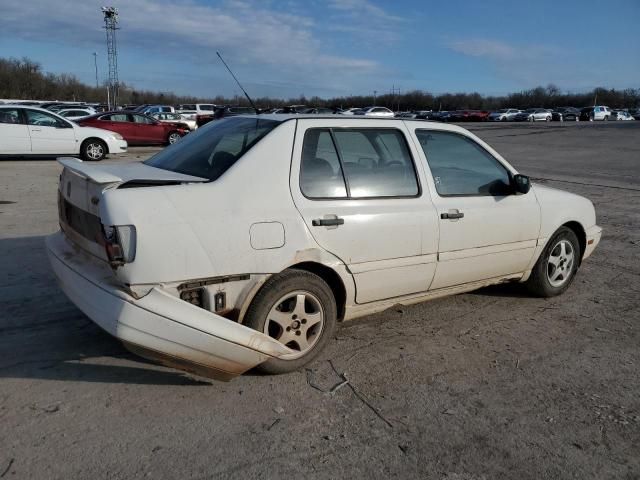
{"points": [[504, 115], [375, 112], [534, 115], [175, 117]]}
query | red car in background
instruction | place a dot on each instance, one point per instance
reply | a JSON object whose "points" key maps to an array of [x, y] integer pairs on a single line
{"points": [[136, 128]]}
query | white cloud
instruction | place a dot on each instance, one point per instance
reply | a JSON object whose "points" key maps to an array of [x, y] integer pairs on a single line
{"points": [[252, 33]]}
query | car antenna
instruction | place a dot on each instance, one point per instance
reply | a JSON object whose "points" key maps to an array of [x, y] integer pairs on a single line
{"points": [[234, 77]]}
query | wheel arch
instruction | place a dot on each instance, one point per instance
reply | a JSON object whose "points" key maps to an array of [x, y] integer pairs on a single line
{"points": [[332, 279], [580, 232], [88, 139]]}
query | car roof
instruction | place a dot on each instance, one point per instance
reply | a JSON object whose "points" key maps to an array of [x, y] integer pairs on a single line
{"points": [[284, 117]]}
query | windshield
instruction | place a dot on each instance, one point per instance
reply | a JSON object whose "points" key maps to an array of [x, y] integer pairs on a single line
{"points": [[214, 148]]}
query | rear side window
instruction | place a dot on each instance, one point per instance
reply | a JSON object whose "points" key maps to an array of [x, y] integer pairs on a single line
{"points": [[357, 163], [214, 148], [116, 117], [10, 115], [462, 167]]}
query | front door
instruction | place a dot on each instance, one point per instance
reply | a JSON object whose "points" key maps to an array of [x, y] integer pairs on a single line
{"points": [[148, 130], [50, 134], [359, 194], [486, 230], [13, 132]]}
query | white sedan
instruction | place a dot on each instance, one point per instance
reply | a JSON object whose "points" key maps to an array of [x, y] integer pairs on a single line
{"points": [[31, 131], [375, 112], [192, 261]]}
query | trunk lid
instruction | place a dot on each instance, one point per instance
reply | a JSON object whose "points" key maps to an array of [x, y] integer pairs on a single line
{"points": [[81, 190]]}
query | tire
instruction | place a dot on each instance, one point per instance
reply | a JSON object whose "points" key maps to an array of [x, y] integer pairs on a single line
{"points": [[93, 150], [606, 118], [531, 119], [276, 311], [552, 277], [173, 137], [548, 119]]}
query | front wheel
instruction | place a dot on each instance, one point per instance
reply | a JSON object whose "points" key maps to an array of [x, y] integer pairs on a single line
{"points": [[548, 119], [555, 269], [173, 138], [93, 149], [298, 309]]}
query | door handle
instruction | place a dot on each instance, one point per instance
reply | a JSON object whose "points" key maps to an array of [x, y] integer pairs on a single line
{"points": [[452, 215], [36, 130], [327, 222]]}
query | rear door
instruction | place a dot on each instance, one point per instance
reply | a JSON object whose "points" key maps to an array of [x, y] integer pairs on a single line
{"points": [[50, 134], [14, 133], [360, 194]]}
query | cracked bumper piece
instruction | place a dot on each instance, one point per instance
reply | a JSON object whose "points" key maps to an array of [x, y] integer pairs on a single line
{"points": [[158, 326]]}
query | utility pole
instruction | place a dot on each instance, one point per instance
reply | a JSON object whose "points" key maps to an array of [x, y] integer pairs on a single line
{"points": [[374, 97], [111, 25], [95, 62]]}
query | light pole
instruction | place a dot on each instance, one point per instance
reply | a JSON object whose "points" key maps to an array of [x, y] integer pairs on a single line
{"points": [[374, 96], [95, 62]]}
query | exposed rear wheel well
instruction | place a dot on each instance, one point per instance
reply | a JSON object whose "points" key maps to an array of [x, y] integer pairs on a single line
{"points": [[331, 278], [580, 233]]}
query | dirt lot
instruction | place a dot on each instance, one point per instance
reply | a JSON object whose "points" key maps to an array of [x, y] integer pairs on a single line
{"points": [[486, 385]]}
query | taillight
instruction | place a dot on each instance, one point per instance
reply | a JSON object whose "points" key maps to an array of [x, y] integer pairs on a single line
{"points": [[120, 244]]}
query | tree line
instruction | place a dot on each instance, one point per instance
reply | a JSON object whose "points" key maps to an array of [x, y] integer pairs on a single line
{"points": [[25, 79]]}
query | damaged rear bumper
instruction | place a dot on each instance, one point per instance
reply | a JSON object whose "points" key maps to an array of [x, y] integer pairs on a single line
{"points": [[158, 325]]}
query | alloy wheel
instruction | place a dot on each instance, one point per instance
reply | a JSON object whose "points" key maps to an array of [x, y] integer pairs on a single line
{"points": [[296, 320], [95, 151], [560, 263]]}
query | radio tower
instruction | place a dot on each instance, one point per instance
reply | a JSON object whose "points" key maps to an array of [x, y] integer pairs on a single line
{"points": [[111, 25]]}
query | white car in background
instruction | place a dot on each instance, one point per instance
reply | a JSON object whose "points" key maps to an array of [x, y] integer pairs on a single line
{"points": [[32, 131], [375, 112], [350, 111], [74, 114], [621, 115], [192, 110], [176, 118], [190, 261], [504, 115]]}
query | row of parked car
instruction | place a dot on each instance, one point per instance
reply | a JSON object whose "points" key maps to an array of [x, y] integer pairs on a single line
{"points": [[529, 115]]}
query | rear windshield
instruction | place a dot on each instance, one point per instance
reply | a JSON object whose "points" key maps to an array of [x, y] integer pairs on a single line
{"points": [[214, 148]]}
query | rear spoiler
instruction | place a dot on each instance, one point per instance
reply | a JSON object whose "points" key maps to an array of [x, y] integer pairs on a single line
{"points": [[90, 172]]}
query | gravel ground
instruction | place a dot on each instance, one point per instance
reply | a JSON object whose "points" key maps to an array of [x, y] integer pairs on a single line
{"points": [[490, 384]]}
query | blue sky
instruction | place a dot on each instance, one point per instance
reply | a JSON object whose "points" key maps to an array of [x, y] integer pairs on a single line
{"points": [[336, 47]]}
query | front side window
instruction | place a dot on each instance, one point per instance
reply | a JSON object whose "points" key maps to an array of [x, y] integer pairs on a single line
{"points": [[213, 149], [363, 163], [10, 115], [462, 167], [42, 119]]}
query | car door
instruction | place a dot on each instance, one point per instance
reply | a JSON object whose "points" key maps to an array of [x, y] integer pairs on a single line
{"points": [[486, 230], [50, 134], [14, 133], [149, 130], [359, 193]]}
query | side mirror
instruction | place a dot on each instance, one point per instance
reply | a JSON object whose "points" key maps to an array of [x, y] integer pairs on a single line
{"points": [[521, 183]]}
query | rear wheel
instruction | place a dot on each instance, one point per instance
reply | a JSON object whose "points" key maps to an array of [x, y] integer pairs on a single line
{"points": [[555, 269], [298, 309], [93, 149], [548, 118], [173, 137]]}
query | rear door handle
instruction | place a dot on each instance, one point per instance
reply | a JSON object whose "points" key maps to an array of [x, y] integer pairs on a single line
{"points": [[451, 215], [327, 222], [36, 130]]}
